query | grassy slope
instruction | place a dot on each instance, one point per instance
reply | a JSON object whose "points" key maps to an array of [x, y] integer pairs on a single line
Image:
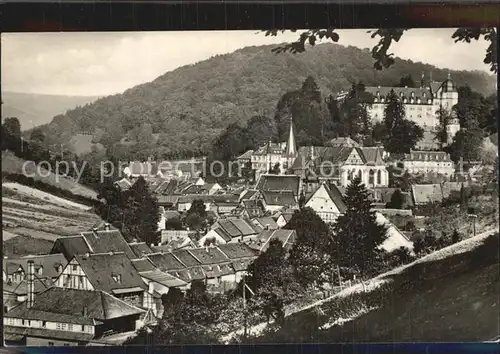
{"points": [[451, 295], [39, 215], [193, 104], [13, 164]]}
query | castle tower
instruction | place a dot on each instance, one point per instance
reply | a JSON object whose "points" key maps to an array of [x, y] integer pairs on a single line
{"points": [[449, 94]]}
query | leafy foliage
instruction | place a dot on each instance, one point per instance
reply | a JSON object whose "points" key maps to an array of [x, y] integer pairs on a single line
{"points": [[12, 126], [397, 200], [441, 134], [310, 256], [188, 108], [383, 59], [134, 212]]}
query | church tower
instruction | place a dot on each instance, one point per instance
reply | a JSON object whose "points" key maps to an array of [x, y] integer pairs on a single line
{"points": [[291, 149]]}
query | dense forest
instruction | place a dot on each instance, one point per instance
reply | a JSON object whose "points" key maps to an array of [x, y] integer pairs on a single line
{"points": [[182, 113]]}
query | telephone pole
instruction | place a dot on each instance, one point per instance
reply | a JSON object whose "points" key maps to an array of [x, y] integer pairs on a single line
{"points": [[244, 309]]}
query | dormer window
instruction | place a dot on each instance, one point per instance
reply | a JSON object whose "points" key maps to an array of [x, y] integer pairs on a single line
{"points": [[382, 99], [418, 100], [413, 94], [117, 278], [429, 101], [401, 94], [378, 93]]}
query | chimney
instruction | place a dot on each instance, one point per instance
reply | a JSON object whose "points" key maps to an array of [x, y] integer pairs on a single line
{"points": [[267, 227], [107, 227], [31, 283], [85, 311]]}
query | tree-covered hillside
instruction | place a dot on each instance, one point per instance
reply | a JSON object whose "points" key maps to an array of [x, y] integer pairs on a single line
{"points": [[185, 110]]}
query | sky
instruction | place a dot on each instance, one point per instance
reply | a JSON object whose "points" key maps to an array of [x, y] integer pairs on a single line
{"points": [[104, 63]]}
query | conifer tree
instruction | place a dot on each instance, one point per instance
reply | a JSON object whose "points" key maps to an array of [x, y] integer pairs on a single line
{"points": [[356, 233], [401, 134], [396, 201], [441, 135]]}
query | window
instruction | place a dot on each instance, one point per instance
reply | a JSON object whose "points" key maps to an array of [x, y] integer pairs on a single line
{"points": [[74, 267], [379, 177], [44, 324], [10, 321], [70, 327], [51, 344]]}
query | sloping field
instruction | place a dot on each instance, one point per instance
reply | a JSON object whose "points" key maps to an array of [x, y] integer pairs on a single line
{"points": [[35, 214], [13, 164], [450, 295]]}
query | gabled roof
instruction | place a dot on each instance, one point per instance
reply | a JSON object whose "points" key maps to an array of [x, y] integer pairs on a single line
{"points": [[69, 305], [266, 220], [100, 269], [48, 262], [209, 255], [269, 182], [425, 193], [189, 274], [334, 194], [21, 332], [249, 193], [143, 265], [235, 251], [283, 198], [163, 278], [246, 155], [186, 258], [217, 270], [101, 241], [223, 234], [140, 249], [343, 141], [287, 237], [191, 198], [166, 262], [21, 288]]}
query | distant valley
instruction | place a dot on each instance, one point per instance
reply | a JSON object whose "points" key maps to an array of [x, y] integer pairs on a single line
{"points": [[37, 109]]}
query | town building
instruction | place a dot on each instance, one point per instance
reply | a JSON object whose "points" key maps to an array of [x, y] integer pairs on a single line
{"points": [[67, 317], [340, 164], [327, 202], [424, 162], [265, 158]]}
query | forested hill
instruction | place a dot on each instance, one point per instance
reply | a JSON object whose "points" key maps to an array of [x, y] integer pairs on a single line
{"points": [[190, 106]]}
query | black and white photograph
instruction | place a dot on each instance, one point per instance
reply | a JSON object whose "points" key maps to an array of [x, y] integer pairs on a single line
{"points": [[250, 187]]}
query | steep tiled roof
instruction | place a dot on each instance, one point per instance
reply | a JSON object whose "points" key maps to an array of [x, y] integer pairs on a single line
{"points": [[209, 255], [100, 305], [236, 251], [343, 141], [100, 269], [48, 262], [163, 278], [422, 93], [140, 249], [372, 155], [279, 183], [266, 220], [20, 332], [249, 193], [166, 262], [425, 193], [191, 198], [218, 270], [427, 156], [21, 288], [143, 265], [186, 258], [225, 236], [70, 246], [190, 274], [167, 199], [283, 198], [287, 237], [336, 196], [246, 155]]}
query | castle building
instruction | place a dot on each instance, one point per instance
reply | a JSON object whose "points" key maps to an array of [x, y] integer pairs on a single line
{"points": [[421, 106]]}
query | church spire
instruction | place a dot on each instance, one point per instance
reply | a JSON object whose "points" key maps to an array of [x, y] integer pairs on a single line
{"points": [[291, 147]]}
